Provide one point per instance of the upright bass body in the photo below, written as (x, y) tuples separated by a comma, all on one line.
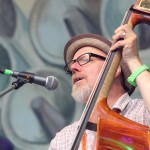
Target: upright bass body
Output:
[(115, 132)]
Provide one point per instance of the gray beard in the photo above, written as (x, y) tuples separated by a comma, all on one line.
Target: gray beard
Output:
[(81, 93)]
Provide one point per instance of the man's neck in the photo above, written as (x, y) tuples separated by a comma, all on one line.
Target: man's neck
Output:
[(113, 97)]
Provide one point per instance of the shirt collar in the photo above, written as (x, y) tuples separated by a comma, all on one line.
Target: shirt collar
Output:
[(122, 102)]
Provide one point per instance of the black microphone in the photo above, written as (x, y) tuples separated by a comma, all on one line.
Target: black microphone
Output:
[(50, 82)]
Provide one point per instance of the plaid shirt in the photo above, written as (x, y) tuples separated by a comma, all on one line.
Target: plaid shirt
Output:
[(133, 109)]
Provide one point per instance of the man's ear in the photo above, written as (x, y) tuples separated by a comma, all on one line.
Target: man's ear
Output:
[(118, 71)]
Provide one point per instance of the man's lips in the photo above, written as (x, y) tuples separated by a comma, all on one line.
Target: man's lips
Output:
[(76, 79)]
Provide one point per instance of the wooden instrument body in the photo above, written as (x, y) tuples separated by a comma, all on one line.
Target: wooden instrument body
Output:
[(115, 132)]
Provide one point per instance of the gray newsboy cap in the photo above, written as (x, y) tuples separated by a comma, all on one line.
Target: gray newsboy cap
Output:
[(99, 42)]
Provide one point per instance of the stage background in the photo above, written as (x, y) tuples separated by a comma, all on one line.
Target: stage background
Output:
[(32, 36)]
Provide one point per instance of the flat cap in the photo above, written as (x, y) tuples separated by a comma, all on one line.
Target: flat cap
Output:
[(99, 42)]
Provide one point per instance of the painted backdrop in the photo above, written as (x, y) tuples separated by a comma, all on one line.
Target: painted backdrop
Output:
[(32, 36)]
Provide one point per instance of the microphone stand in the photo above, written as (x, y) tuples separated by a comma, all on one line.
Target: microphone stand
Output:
[(15, 85)]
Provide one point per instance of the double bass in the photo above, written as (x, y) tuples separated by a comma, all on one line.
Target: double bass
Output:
[(113, 131)]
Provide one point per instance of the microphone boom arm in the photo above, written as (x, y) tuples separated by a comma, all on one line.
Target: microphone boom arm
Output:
[(15, 85)]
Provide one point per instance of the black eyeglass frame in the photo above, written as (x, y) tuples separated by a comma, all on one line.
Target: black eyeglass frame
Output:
[(66, 68)]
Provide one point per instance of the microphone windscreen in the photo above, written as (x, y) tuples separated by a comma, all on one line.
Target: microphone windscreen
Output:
[(51, 83)]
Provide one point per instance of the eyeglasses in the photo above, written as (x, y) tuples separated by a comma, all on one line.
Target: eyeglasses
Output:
[(82, 60)]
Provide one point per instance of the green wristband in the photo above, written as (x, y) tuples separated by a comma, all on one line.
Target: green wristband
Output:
[(133, 76)]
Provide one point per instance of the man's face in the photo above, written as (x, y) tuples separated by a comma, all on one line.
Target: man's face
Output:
[(84, 77)]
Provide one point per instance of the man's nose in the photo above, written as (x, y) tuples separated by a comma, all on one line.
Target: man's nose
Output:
[(75, 67)]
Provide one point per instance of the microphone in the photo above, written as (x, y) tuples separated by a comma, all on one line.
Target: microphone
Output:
[(50, 82)]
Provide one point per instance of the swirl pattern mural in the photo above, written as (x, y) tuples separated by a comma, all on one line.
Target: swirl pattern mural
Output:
[(32, 36)]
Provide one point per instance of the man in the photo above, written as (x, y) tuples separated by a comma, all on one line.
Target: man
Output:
[(84, 57)]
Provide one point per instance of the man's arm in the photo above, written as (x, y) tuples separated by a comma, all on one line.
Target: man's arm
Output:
[(132, 59)]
